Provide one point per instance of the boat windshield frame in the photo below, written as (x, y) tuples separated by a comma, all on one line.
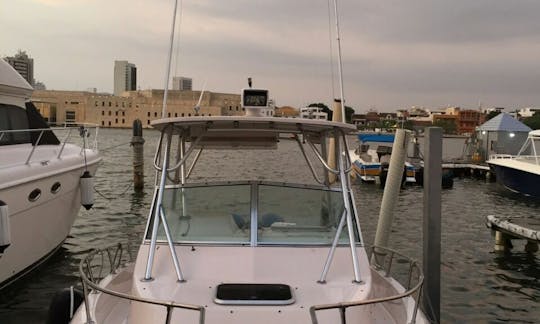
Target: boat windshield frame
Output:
[(248, 132), (264, 222)]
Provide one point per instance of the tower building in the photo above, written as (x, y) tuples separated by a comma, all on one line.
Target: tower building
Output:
[(23, 64), (125, 77), (182, 83)]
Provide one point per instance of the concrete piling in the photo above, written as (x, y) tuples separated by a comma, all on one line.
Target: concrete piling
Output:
[(392, 187), (431, 296), (502, 242), (137, 142)]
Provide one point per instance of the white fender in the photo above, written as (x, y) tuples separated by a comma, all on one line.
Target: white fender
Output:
[(87, 190), (5, 228)]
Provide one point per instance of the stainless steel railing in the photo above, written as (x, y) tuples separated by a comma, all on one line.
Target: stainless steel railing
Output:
[(101, 263), (382, 260), (84, 135)]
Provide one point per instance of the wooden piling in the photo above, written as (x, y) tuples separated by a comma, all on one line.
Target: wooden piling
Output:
[(137, 141)]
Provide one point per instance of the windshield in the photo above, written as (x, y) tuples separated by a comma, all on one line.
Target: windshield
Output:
[(284, 214)]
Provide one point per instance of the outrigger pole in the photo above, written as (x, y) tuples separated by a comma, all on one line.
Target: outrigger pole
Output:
[(340, 64), (159, 212), (169, 59)]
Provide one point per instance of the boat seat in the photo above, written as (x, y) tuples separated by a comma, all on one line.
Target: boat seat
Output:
[(243, 222), (366, 157)]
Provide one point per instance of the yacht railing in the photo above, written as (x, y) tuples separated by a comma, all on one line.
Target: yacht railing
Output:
[(100, 263), (382, 260), (87, 133)]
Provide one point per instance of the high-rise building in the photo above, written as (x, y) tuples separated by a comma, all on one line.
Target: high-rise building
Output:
[(125, 77), (23, 64), (181, 83)]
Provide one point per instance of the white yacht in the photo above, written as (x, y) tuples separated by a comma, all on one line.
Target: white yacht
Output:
[(40, 171), (250, 251), (520, 173)]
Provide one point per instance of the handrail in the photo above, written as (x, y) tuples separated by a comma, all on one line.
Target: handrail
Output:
[(113, 255), (381, 251), (67, 128)]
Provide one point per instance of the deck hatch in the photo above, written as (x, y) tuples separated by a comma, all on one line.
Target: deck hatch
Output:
[(253, 294)]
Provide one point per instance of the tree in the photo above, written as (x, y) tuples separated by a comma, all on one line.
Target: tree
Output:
[(323, 107), (408, 124), (349, 112), (492, 114), (448, 126), (533, 121)]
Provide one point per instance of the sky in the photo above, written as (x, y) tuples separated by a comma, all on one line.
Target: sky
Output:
[(395, 53)]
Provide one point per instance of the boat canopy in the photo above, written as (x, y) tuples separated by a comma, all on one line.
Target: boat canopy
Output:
[(380, 138), (238, 132), (13, 87)]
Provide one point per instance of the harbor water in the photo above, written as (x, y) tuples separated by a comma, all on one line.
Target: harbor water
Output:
[(477, 284)]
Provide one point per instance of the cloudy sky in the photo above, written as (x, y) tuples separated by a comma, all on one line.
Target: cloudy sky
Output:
[(396, 53)]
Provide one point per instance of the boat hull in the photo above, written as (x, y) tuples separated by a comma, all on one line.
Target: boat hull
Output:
[(516, 180), (38, 228)]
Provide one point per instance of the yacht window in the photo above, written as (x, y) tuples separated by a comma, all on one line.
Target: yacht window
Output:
[(208, 214), (12, 118), (55, 188), (34, 195), (298, 215)]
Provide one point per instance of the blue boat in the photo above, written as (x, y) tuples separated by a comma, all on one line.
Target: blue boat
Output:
[(521, 172), (373, 151)]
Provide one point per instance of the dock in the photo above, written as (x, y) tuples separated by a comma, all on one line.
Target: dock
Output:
[(505, 231), (464, 167)]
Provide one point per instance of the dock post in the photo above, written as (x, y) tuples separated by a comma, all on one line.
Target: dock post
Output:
[(502, 242), (531, 247), (391, 188), (431, 296), (137, 141)]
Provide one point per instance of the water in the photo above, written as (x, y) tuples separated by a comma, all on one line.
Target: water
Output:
[(478, 285)]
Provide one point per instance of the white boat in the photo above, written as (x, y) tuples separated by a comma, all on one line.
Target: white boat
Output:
[(372, 153), (521, 172), (249, 251), (39, 179)]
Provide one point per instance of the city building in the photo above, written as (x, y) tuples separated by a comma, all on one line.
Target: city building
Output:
[(468, 120), (286, 111), (125, 77), (313, 113), (108, 110), (23, 64), (182, 83), (528, 112)]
